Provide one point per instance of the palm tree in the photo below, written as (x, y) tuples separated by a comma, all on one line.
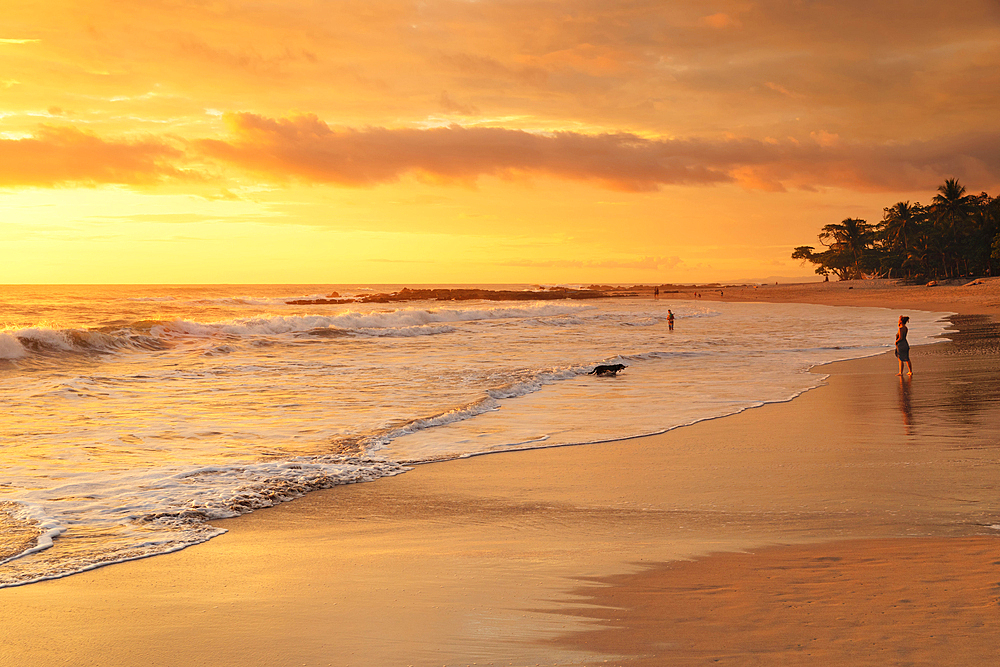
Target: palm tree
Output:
[(852, 237), (958, 233), (993, 212), (983, 228), (901, 225), (951, 211), (951, 193)]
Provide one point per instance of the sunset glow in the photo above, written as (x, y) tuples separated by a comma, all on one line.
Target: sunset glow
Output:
[(187, 141)]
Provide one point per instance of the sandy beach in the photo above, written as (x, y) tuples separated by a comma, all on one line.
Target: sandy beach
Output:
[(964, 295), (854, 525)]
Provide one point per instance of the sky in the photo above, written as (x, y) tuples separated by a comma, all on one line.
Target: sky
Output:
[(475, 141)]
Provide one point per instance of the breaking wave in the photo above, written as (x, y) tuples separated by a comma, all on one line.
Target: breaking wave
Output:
[(223, 337)]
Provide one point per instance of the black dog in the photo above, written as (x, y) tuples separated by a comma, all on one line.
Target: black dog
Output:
[(608, 369)]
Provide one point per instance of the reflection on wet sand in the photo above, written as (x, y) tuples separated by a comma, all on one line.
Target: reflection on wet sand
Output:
[(964, 399), (858, 601), (906, 403)]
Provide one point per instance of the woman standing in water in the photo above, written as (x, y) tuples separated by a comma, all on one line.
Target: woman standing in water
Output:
[(902, 347)]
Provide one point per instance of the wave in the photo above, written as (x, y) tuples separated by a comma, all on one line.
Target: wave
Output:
[(10, 347), (235, 300), (405, 332), (156, 511), (222, 337), (531, 382), (47, 342), (253, 300), (354, 321)]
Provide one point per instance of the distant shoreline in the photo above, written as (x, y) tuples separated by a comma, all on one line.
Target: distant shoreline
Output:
[(981, 295)]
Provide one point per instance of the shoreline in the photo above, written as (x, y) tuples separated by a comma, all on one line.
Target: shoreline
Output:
[(960, 297), (489, 549)]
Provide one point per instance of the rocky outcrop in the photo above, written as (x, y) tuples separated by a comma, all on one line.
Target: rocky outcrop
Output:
[(465, 294)]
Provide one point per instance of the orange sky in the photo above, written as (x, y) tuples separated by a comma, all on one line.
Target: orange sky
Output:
[(187, 141)]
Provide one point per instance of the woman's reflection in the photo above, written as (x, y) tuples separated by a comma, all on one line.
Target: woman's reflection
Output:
[(905, 406)]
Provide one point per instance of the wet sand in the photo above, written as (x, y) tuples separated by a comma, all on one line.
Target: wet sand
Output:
[(850, 526), (872, 602)]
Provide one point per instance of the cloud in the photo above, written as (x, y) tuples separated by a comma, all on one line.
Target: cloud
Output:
[(57, 156), (451, 106), (307, 149), (717, 20), (828, 161), (901, 70)]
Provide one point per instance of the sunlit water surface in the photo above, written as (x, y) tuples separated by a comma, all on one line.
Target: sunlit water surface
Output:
[(132, 416)]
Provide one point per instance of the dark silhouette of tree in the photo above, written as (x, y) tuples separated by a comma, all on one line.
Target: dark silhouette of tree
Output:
[(901, 225), (851, 240), (958, 234), (950, 212), (902, 239), (984, 232)]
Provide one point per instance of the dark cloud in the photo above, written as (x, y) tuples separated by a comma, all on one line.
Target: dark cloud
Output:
[(66, 156), (305, 148)]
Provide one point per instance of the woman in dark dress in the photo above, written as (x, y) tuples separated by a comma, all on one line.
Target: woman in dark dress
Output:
[(902, 347)]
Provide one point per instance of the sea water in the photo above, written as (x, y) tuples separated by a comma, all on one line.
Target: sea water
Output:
[(130, 417)]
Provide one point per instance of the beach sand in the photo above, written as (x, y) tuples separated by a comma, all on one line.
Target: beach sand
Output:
[(853, 525), (867, 602), (965, 295)]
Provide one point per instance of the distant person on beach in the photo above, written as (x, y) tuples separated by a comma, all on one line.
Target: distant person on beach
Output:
[(656, 292), (670, 319), (902, 347)]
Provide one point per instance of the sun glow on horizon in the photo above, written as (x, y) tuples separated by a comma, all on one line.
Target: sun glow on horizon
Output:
[(473, 142)]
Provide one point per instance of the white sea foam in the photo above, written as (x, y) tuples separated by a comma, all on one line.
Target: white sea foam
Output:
[(401, 323), (40, 338), (357, 321), (11, 347), (256, 301), (159, 510)]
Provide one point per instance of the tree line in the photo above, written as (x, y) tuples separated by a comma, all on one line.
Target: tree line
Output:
[(956, 235)]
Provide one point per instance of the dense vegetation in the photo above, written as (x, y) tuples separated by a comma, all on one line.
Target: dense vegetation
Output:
[(956, 235)]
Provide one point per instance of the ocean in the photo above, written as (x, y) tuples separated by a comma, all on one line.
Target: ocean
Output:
[(132, 416)]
